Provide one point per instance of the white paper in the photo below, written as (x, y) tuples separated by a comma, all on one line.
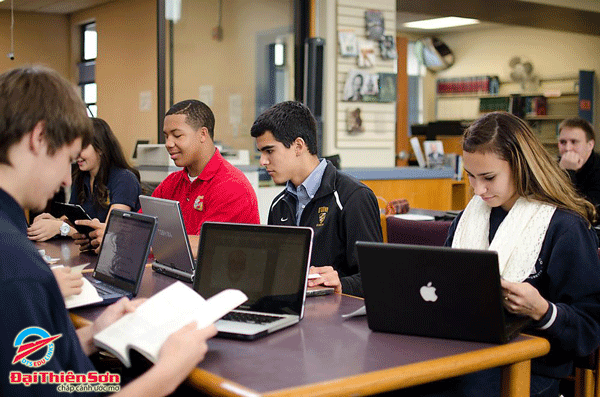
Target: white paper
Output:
[(362, 311)]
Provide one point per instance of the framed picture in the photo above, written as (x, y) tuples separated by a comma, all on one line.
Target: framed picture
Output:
[(361, 86), (434, 153), (416, 147), (366, 53), (354, 122), (348, 44), (387, 46), (374, 24), (387, 87)]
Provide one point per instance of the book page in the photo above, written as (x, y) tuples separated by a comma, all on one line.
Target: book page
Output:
[(166, 312), (88, 296)]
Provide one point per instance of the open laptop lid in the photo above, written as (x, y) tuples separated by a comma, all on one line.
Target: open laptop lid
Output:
[(433, 291), (171, 246), (124, 251), (268, 263)]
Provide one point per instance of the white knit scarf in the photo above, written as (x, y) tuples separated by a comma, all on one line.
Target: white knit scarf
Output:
[(518, 239)]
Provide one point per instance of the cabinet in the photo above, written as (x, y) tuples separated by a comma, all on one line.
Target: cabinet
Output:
[(563, 97)]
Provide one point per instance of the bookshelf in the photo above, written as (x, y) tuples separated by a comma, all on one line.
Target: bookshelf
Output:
[(560, 97)]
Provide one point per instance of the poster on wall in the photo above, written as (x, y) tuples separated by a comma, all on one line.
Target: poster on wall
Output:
[(361, 86), (348, 44), (387, 47), (387, 87), (374, 24), (354, 124), (366, 53)]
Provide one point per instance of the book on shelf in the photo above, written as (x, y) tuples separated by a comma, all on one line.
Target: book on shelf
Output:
[(149, 326)]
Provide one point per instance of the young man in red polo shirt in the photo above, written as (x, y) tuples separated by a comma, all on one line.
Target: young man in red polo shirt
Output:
[(208, 188)]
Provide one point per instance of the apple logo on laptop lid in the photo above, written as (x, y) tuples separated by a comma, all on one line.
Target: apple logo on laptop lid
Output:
[(428, 293)]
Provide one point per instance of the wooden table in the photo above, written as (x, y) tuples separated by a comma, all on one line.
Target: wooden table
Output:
[(325, 355)]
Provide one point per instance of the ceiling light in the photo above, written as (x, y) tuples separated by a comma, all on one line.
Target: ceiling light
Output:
[(440, 23)]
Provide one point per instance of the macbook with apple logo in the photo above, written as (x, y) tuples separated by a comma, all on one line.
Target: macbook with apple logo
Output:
[(436, 292)]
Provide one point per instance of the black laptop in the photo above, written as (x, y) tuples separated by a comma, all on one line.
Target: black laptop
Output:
[(123, 255), (267, 263), (437, 292)]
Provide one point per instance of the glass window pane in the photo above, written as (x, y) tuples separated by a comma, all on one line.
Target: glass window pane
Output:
[(90, 42), (92, 110), (90, 93)]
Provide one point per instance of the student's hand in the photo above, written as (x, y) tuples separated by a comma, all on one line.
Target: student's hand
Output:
[(96, 236), (571, 161), (111, 314), (69, 282), (183, 350), (44, 227), (524, 299), (329, 278)]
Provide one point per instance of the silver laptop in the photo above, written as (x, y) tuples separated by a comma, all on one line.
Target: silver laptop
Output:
[(123, 255), (268, 263), (171, 246), (438, 292)]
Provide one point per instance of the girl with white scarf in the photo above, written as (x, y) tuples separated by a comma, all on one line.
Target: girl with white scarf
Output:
[(525, 208)]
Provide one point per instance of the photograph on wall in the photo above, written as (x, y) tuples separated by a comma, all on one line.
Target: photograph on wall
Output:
[(366, 53), (374, 24), (354, 122), (387, 47), (348, 44), (434, 153), (387, 87), (361, 86), (353, 86)]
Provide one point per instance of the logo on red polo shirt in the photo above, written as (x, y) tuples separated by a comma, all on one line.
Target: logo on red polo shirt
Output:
[(37, 340), (199, 204)]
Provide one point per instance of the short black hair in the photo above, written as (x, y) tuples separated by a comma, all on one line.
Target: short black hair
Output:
[(287, 121), (197, 113), (578, 122)]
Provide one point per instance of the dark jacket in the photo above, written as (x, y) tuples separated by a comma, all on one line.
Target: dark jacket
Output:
[(587, 179), (342, 212), (567, 274)]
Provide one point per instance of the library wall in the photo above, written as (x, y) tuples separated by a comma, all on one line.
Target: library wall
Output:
[(375, 147), (125, 67), (226, 68), (487, 52), (38, 39)]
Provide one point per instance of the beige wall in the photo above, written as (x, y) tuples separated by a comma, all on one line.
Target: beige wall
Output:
[(487, 52), (126, 66), (229, 66), (38, 39)]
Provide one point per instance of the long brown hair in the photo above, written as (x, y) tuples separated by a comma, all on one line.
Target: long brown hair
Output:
[(536, 174), (109, 149)]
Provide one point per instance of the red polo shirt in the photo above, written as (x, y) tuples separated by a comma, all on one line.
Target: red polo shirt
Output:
[(221, 193)]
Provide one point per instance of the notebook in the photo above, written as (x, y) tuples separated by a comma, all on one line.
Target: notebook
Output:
[(267, 263), (171, 247), (436, 292), (123, 255)]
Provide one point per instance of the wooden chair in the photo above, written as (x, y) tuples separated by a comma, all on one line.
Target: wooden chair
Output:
[(587, 374), (402, 231)]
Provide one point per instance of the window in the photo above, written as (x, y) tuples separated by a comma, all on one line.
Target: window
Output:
[(415, 71), (87, 67)]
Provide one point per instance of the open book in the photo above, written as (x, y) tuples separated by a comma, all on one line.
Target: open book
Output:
[(146, 329)]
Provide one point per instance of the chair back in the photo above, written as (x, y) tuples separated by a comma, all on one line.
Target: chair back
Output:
[(402, 231)]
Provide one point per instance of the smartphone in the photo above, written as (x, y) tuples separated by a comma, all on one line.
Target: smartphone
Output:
[(74, 212)]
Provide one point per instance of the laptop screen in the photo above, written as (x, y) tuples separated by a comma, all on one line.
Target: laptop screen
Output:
[(124, 249), (268, 263)]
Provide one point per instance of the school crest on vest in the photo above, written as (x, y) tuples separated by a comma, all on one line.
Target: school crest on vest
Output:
[(199, 203), (322, 215)]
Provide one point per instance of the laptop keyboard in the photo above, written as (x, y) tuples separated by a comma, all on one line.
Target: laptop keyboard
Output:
[(104, 290), (250, 318)]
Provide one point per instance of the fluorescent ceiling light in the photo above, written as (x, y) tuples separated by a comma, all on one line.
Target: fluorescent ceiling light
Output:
[(440, 23)]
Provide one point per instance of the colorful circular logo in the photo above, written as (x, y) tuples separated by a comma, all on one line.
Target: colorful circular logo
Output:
[(33, 340)]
